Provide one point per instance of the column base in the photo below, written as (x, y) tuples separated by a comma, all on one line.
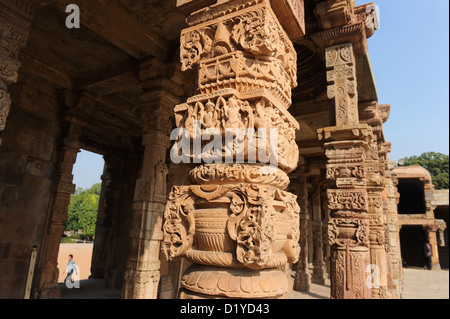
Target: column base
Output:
[(302, 282), (318, 276), (48, 293), (202, 282), (435, 266)]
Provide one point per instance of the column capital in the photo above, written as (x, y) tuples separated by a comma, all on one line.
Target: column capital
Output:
[(342, 21)]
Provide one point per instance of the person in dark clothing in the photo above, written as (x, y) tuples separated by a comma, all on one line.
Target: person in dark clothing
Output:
[(427, 252)]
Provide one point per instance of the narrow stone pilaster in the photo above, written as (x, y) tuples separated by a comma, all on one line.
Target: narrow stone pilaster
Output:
[(142, 275), (326, 243), (302, 281), (375, 187), (345, 147), (319, 271), (105, 247), (393, 231), (143, 265), (100, 250)]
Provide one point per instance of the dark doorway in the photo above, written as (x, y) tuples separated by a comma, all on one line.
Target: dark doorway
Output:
[(412, 196), (412, 239)]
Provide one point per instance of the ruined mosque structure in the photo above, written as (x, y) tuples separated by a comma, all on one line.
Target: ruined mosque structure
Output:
[(136, 70)]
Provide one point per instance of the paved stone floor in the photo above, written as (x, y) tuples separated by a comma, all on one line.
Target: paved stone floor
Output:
[(418, 284), (425, 284)]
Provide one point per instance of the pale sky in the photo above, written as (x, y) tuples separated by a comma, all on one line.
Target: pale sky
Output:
[(410, 61)]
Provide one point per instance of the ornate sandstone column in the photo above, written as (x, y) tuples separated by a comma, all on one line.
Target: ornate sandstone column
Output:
[(346, 146), (15, 21), (375, 187), (235, 222), (393, 231)]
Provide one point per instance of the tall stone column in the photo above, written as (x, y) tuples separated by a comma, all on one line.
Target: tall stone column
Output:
[(302, 281), (346, 146), (375, 188), (235, 222), (432, 238), (160, 89), (319, 271), (325, 222), (375, 115), (393, 237), (47, 275), (142, 276), (101, 247), (15, 21), (104, 256)]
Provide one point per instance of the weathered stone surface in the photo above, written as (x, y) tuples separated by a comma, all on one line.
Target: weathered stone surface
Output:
[(233, 229)]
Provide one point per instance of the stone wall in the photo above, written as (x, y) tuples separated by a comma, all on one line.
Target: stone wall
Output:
[(27, 166)]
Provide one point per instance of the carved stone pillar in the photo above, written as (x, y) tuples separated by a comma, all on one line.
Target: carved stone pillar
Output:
[(393, 237), (345, 147), (375, 115), (100, 250), (15, 21), (142, 276), (375, 187), (325, 222), (235, 222), (302, 280), (107, 235), (143, 266), (348, 230), (47, 275), (319, 271), (432, 238)]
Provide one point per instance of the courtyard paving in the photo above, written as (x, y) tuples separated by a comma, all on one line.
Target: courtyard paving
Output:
[(417, 283)]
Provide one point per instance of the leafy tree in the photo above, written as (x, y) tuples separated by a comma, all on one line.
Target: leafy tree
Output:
[(436, 163), (82, 210)]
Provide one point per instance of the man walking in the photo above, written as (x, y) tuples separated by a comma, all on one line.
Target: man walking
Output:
[(70, 269)]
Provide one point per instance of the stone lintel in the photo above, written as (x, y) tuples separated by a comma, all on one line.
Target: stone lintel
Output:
[(291, 14), (343, 133)]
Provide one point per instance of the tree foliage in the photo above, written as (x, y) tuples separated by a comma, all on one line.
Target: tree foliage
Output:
[(82, 210), (436, 163)]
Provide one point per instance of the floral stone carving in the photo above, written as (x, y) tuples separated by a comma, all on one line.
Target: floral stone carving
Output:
[(235, 222)]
